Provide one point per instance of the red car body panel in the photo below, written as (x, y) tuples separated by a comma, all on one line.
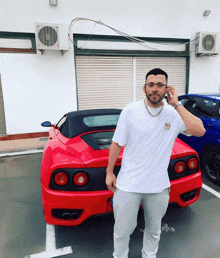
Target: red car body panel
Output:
[(61, 152), (94, 203), (182, 149)]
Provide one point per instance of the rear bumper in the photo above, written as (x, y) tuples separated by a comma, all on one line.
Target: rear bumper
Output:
[(91, 203), (88, 204), (186, 191)]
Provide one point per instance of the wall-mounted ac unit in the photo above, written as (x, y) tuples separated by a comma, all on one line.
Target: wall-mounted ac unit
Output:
[(51, 37), (206, 43)]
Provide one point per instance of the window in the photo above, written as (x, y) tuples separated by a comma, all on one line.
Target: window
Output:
[(187, 102), (204, 107), (15, 42), (184, 101), (61, 121), (94, 121)]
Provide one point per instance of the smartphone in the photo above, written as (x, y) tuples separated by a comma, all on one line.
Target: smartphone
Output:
[(170, 95)]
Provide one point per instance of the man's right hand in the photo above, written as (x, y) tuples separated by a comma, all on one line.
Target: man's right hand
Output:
[(111, 181)]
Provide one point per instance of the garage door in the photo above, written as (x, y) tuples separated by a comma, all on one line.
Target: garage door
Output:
[(175, 67), (104, 82), (2, 113), (113, 82)]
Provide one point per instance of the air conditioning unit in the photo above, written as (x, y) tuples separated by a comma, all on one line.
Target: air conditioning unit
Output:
[(51, 37), (206, 43)]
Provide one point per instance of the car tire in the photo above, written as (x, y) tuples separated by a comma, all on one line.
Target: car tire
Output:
[(210, 164)]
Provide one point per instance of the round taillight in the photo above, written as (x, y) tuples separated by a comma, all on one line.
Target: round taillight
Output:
[(180, 167), (80, 178), (192, 163), (61, 178)]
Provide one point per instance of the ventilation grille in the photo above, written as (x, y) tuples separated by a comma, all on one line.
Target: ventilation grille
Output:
[(48, 36), (206, 43), (51, 36)]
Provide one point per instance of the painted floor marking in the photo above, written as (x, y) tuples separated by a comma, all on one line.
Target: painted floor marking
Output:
[(51, 250), (209, 189), (20, 153)]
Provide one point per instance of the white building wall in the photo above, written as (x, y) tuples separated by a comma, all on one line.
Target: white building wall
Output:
[(37, 88), (40, 87)]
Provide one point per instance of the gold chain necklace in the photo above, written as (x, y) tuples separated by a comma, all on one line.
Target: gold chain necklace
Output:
[(150, 112)]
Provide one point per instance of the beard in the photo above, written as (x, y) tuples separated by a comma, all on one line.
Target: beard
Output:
[(155, 102)]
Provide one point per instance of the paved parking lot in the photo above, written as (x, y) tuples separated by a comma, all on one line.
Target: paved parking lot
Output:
[(193, 231)]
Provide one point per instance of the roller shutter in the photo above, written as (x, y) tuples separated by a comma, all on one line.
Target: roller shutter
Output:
[(2, 113), (104, 82), (114, 81), (174, 66)]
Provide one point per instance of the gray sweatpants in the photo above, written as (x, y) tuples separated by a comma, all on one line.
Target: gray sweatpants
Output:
[(126, 206)]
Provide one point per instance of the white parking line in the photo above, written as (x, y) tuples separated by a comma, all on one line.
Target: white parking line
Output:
[(9, 154), (51, 250), (209, 189)]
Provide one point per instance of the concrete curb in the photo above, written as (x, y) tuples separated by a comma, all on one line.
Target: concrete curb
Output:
[(24, 152), (21, 149), (22, 146)]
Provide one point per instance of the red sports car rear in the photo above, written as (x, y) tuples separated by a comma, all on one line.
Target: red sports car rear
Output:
[(74, 163)]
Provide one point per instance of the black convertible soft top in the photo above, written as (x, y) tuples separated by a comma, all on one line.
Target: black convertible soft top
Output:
[(78, 122)]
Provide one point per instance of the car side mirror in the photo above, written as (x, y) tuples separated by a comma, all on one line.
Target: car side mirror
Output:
[(46, 124)]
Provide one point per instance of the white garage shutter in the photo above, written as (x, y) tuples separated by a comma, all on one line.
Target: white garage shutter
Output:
[(113, 82), (104, 81), (2, 113), (175, 67)]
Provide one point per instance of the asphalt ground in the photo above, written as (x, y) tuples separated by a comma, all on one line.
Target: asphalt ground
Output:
[(193, 231)]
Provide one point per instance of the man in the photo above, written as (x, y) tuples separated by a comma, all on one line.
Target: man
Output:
[(143, 178)]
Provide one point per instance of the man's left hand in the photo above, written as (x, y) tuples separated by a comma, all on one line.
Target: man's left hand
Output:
[(173, 99)]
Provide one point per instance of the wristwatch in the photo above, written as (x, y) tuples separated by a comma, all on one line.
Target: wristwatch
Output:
[(177, 104)]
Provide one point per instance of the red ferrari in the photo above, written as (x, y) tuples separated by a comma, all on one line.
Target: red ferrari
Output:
[(74, 165)]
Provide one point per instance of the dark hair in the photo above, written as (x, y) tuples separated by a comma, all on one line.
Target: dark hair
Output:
[(157, 71)]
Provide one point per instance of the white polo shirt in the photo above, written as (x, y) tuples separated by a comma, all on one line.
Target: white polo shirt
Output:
[(148, 145)]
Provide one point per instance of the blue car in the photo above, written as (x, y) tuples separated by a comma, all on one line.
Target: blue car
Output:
[(207, 108)]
